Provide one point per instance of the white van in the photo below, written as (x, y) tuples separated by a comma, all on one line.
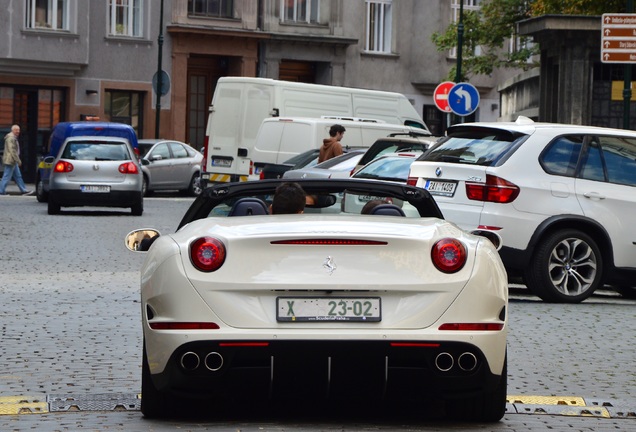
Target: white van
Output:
[(280, 138), (240, 104)]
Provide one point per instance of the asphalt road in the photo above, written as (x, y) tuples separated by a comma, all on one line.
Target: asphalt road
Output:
[(70, 339)]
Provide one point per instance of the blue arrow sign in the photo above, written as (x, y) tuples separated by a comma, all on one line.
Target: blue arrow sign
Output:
[(463, 99)]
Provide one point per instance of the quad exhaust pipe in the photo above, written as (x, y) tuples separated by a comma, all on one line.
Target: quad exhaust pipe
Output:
[(467, 361), (191, 361)]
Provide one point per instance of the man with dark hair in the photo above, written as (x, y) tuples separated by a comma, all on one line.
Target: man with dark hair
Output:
[(331, 146), (289, 198)]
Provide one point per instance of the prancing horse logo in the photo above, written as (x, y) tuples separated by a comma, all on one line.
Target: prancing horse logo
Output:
[(329, 265)]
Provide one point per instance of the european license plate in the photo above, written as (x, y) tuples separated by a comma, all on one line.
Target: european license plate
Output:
[(224, 163), (95, 188), (294, 309), (440, 188)]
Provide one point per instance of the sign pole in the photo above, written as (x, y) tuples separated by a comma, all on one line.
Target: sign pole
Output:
[(627, 84)]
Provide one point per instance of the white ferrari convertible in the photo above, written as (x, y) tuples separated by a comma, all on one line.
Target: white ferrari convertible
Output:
[(322, 306)]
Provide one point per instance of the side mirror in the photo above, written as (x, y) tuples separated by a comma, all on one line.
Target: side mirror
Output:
[(49, 159), (140, 240), (494, 238), (145, 162), (155, 158)]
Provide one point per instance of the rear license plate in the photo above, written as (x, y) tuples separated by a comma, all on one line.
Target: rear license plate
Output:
[(440, 188), (95, 188), (293, 309), (223, 163)]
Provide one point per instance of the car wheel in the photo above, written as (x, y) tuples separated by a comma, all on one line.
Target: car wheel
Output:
[(39, 191), (144, 186), (138, 208), (154, 403), (566, 267), (487, 407), (195, 185), (54, 208)]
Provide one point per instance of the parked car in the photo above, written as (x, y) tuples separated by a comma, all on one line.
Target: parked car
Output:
[(391, 167), (95, 171), (372, 310), (302, 160), (170, 165), (337, 167), (395, 143), (64, 130), (561, 197)]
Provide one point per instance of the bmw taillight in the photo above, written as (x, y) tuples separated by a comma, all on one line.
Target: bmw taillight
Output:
[(207, 253), (411, 181), (63, 167), (495, 190), (128, 168), (449, 255)]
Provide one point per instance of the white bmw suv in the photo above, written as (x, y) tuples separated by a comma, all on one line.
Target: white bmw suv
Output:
[(562, 198)]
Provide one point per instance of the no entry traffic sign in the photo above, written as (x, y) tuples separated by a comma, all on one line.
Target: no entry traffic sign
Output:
[(440, 95)]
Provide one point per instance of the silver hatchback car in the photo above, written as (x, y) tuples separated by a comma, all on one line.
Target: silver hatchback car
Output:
[(96, 171), (170, 165)]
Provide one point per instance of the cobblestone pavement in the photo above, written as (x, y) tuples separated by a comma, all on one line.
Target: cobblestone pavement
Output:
[(70, 328)]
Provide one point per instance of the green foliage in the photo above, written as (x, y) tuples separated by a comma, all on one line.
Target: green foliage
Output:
[(489, 32)]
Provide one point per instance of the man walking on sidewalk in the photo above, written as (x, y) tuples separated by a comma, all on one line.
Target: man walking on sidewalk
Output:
[(12, 163)]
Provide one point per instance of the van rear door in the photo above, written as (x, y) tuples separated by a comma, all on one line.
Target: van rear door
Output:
[(232, 128)]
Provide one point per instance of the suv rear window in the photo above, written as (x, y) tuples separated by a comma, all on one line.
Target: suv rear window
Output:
[(380, 148), (476, 146)]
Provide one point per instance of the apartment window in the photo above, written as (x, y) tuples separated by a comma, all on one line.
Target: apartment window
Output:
[(303, 11), (379, 27), (468, 5), (125, 107), (211, 8), (47, 14), (125, 17)]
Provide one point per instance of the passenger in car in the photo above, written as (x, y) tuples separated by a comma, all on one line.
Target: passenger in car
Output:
[(289, 198), (368, 207)]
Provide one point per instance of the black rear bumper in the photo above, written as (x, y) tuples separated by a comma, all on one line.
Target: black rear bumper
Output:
[(76, 198), (324, 371)]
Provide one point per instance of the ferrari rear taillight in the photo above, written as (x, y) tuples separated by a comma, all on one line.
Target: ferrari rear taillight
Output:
[(495, 190), (207, 254), (449, 255), (128, 168), (63, 167)]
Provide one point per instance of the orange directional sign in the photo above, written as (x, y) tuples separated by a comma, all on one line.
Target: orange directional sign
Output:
[(618, 42)]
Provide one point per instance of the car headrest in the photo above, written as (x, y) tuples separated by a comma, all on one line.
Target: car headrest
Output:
[(387, 210), (249, 207)]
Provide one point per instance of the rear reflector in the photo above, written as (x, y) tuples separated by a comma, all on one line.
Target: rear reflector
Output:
[(472, 326), (184, 326), (414, 344)]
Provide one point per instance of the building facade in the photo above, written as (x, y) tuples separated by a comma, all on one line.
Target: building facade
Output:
[(66, 60)]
